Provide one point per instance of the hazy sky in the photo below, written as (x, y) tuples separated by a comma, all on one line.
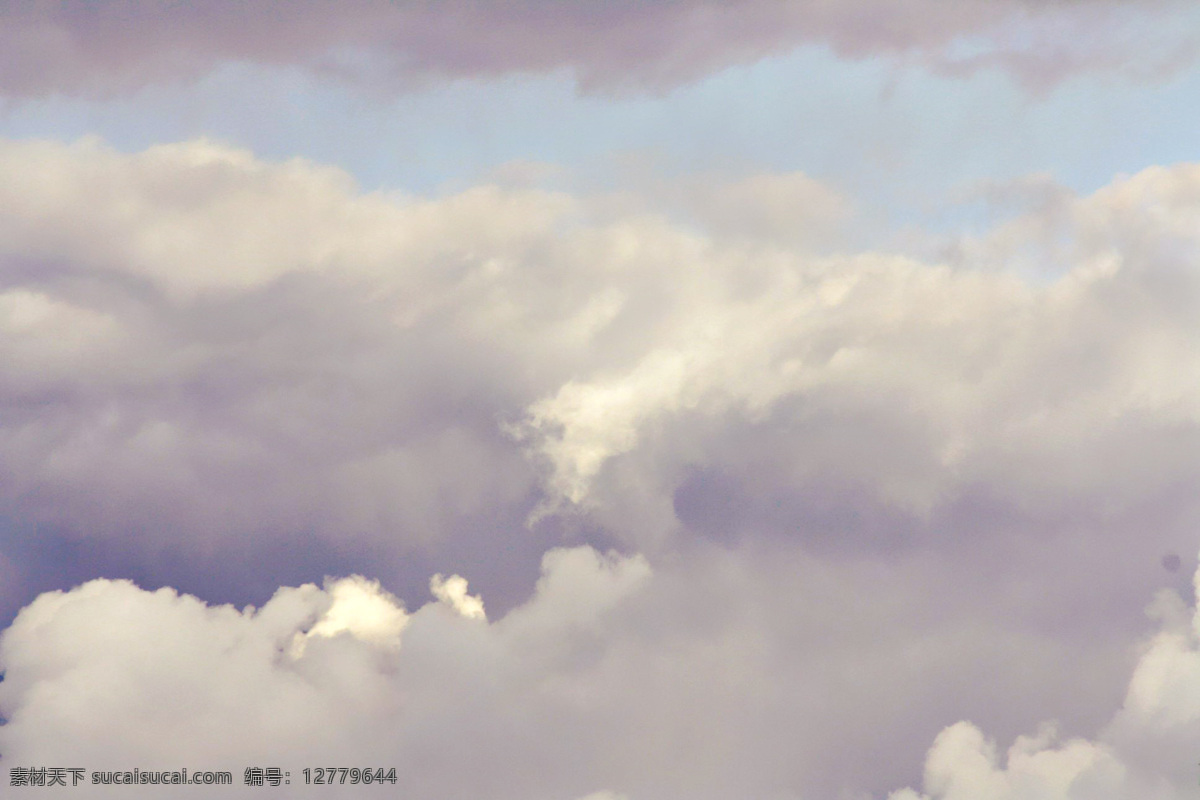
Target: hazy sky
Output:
[(603, 401)]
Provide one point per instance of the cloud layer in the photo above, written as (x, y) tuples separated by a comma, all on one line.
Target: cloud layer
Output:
[(107, 48)]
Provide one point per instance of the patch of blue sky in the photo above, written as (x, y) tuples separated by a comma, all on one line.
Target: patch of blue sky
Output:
[(900, 141)]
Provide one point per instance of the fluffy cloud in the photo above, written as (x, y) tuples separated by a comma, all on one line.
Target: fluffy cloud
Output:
[(1145, 751), (202, 346), (110, 676), (80, 47), (973, 375), (205, 353), (453, 592), (198, 280), (715, 676)]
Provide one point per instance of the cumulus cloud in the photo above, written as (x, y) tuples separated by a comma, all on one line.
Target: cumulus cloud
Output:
[(199, 279), (111, 676), (968, 371), (204, 346), (715, 676), (205, 351), (453, 592), (78, 47), (962, 764), (1145, 751), (735, 488), (361, 608)]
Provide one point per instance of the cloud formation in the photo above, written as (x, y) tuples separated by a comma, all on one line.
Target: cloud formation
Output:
[(1145, 751), (111, 676), (764, 500), (711, 679), (964, 372), (206, 351), (453, 592), (202, 342), (203, 347), (107, 48)]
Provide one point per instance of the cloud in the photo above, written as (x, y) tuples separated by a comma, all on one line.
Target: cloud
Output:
[(111, 676), (1145, 751), (962, 764), (712, 675), (105, 49), (210, 354), (453, 592), (361, 608), (208, 348), (193, 276), (963, 372), (790, 209)]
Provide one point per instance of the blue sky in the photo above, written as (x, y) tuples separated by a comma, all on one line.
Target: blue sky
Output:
[(879, 132)]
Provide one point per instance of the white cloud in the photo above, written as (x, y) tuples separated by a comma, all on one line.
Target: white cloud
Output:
[(198, 217), (984, 367), (1145, 751), (110, 676), (453, 592), (963, 765), (1004, 458), (716, 675), (221, 345), (362, 609)]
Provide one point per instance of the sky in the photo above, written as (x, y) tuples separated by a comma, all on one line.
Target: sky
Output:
[(602, 401)]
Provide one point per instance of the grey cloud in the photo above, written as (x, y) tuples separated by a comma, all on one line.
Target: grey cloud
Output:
[(242, 318), (116, 47), (864, 485), (716, 676), (205, 363), (204, 348), (313, 674), (1144, 751)]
